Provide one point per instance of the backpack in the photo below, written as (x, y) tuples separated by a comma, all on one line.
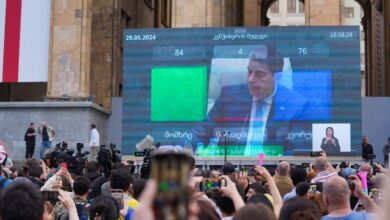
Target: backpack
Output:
[(82, 210)]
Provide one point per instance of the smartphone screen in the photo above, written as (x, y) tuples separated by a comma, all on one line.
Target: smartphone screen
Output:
[(117, 194), (51, 196), (171, 171), (64, 169), (252, 171), (313, 188), (315, 153)]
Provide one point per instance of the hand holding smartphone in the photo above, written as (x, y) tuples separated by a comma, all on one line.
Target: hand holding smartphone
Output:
[(171, 171), (64, 168)]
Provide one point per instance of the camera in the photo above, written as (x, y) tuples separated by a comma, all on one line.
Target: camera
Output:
[(315, 154), (107, 156), (251, 171), (62, 154), (313, 188), (145, 169), (63, 147), (351, 185), (343, 164)]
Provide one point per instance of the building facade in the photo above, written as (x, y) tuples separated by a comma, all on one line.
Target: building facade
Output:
[(292, 13)]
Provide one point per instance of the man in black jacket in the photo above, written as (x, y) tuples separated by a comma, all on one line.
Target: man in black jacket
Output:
[(366, 148), (29, 138), (386, 151)]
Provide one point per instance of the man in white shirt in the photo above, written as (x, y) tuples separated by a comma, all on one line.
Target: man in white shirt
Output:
[(94, 142)]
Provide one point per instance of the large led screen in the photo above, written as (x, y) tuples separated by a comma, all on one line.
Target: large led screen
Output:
[(280, 91)]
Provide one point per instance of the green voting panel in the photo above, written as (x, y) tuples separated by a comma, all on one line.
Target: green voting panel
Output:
[(269, 151), (178, 93)]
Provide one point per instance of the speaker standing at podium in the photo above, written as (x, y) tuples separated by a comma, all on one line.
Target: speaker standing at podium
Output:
[(366, 148)]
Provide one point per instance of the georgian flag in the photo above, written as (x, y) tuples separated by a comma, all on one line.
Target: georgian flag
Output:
[(24, 40)]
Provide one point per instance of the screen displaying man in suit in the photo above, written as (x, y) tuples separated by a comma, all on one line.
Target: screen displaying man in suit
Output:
[(259, 112)]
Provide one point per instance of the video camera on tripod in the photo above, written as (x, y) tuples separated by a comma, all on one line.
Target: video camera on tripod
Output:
[(61, 153), (63, 147), (107, 156), (145, 147)]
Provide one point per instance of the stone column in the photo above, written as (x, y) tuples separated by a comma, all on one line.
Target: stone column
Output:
[(251, 13), (367, 27), (320, 12), (386, 25), (69, 50)]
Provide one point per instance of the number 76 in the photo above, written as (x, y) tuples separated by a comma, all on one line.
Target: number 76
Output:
[(302, 50)]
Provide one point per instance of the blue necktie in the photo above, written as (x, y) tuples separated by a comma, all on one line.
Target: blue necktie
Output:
[(258, 124)]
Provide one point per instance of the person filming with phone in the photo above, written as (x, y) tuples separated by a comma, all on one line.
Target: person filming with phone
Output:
[(80, 194)]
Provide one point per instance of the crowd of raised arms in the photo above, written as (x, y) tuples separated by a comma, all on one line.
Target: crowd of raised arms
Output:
[(318, 190)]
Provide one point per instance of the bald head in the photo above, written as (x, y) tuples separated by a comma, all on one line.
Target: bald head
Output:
[(320, 164), (336, 191), (283, 168)]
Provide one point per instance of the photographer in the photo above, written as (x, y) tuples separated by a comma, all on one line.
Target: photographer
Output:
[(80, 193), (278, 202)]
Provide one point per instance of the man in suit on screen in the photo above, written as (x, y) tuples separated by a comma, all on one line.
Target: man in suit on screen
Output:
[(259, 112)]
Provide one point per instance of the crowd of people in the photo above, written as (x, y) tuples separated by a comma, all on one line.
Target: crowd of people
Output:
[(320, 190)]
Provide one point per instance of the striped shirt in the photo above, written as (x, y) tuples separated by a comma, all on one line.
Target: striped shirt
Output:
[(323, 176)]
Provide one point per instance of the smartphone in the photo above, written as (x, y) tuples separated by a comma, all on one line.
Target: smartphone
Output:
[(315, 153), (375, 194), (64, 168), (351, 184), (355, 166), (171, 171), (251, 171), (117, 194), (51, 196), (305, 165), (313, 188), (211, 184)]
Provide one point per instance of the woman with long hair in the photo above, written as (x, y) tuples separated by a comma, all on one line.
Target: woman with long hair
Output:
[(329, 143)]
